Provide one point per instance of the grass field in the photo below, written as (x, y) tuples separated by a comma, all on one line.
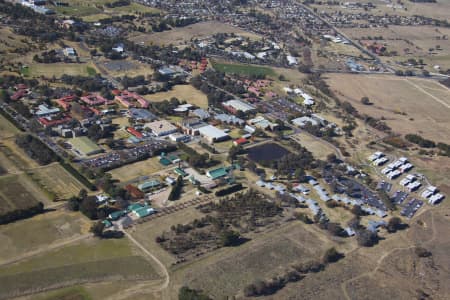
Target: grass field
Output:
[(137, 169), (318, 147), (16, 156), (241, 69), (72, 293), (421, 110), (182, 92), (20, 237), (7, 129), (89, 261), (91, 71), (59, 69), (57, 180), (17, 192)]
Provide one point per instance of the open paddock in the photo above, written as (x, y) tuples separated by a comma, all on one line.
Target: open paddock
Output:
[(183, 35), (402, 102), (229, 270), (21, 237), (57, 180), (18, 192), (7, 129), (16, 156), (137, 169), (182, 92), (318, 147), (89, 261)]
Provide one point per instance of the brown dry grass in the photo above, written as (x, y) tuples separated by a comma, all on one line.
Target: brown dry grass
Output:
[(426, 114), (182, 92), (57, 180), (137, 169)]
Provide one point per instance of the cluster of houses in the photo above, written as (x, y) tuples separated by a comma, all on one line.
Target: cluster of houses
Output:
[(411, 181), (431, 193), (392, 170), (308, 100)]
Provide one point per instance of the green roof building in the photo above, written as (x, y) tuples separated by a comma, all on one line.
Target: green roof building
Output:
[(149, 185), (144, 211), (135, 206), (107, 223), (164, 161), (217, 173), (181, 172), (116, 215)]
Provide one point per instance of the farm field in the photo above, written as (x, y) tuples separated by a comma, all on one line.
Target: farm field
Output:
[(242, 69), (16, 156), (183, 35), (19, 238), (403, 103), (57, 180), (18, 192), (182, 92), (89, 261), (7, 129), (137, 169)]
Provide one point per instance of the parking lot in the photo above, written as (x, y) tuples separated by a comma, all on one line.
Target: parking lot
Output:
[(411, 208), (115, 159), (384, 186), (399, 197)]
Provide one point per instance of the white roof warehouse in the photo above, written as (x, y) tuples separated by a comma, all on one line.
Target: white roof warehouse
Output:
[(213, 134)]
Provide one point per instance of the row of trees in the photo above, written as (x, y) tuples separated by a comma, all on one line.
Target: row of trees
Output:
[(18, 214), (36, 149)]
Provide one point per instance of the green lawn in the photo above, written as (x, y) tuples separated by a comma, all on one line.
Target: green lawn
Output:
[(243, 69), (58, 69), (25, 71), (91, 71)]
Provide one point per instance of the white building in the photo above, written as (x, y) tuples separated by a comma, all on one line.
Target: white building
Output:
[(213, 134), (161, 128)]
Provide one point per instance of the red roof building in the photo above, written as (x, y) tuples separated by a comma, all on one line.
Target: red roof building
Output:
[(240, 141), (93, 99), (134, 132), (130, 99), (48, 122), (64, 102)]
